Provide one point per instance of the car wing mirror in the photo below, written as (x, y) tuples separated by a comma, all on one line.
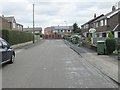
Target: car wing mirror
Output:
[(6, 46)]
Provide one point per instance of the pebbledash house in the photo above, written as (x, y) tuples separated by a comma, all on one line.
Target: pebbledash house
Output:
[(102, 25)]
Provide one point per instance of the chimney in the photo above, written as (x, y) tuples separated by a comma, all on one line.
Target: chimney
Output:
[(95, 15), (3, 16), (113, 8), (119, 4)]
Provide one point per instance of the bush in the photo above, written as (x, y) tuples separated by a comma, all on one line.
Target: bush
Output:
[(16, 37), (75, 39), (89, 38), (110, 45), (110, 35)]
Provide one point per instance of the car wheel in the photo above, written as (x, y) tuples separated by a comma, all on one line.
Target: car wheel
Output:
[(12, 59)]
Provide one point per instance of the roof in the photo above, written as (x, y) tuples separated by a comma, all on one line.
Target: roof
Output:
[(31, 29), (10, 18), (3, 18), (108, 15), (94, 19), (19, 24), (62, 27)]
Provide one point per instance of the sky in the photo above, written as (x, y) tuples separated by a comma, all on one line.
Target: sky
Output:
[(54, 12)]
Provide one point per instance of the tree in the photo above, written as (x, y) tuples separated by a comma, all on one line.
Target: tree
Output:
[(89, 38), (79, 31), (75, 28)]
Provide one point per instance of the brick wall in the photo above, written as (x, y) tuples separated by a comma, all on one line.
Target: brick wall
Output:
[(4, 24), (113, 21)]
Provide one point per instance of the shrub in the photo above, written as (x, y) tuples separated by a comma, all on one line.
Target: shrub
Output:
[(89, 38), (110, 35), (111, 45)]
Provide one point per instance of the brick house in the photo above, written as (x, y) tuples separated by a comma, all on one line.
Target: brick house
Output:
[(10, 23), (107, 23), (103, 25), (90, 24), (36, 29), (5, 24), (57, 32)]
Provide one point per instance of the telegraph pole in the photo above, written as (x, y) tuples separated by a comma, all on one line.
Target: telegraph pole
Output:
[(33, 26)]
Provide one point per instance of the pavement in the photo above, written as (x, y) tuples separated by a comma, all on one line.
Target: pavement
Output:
[(108, 65), (20, 45), (52, 64)]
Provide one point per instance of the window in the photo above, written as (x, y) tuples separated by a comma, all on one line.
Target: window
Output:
[(68, 30), (96, 24), (104, 35), (61, 30), (105, 21), (13, 25), (86, 26), (118, 34), (4, 43), (0, 44), (101, 23), (97, 34)]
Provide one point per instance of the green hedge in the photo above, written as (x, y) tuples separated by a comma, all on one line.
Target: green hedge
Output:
[(16, 37), (111, 45)]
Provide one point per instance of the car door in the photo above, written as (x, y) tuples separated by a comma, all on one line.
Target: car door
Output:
[(0, 52), (6, 52)]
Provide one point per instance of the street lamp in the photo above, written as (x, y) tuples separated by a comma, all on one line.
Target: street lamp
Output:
[(33, 26)]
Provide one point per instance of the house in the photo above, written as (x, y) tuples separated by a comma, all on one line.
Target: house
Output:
[(57, 31), (19, 26), (107, 23), (103, 25), (36, 30), (90, 24), (10, 23), (4, 24), (48, 31), (62, 29)]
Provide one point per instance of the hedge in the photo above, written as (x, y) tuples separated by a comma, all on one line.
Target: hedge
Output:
[(16, 37), (111, 45)]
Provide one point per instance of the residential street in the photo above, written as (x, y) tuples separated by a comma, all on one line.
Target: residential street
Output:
[(52, 64)]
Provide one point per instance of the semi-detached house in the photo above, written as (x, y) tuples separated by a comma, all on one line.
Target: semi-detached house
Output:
[(103, 25), (10, 23)]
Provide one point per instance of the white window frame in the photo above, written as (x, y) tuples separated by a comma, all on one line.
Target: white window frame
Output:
[(105, 22), (13, 25), (96, 24), (101, 23)]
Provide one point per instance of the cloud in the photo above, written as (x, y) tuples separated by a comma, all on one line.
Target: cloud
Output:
[(54, 12)]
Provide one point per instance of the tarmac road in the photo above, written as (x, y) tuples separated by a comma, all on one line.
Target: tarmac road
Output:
[(52, 64)]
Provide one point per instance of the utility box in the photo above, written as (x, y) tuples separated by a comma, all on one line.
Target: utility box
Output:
[(100, 47)]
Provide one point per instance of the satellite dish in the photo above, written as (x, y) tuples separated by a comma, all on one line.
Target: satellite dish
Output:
[(92, 30)]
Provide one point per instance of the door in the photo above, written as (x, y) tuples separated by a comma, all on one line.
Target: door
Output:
[(6, 52), (0, 52)]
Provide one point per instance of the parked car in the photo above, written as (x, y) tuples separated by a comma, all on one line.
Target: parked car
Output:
[(7, 54)]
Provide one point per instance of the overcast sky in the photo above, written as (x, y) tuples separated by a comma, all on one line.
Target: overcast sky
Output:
[(55, 12)]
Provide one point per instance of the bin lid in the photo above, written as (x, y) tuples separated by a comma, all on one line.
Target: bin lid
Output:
[(100, 41)]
